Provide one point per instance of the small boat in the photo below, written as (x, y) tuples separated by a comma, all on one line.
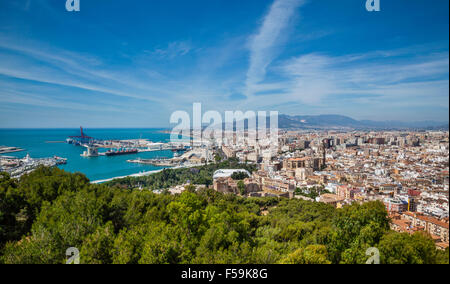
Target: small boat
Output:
[(60, 161)]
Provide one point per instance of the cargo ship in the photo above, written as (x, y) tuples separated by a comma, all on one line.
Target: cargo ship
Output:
[(121, 152)]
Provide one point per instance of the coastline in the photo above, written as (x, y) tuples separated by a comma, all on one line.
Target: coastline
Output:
[(141, 174)]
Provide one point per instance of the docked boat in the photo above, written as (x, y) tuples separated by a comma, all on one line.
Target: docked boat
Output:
[(121, 152), (59, 160)]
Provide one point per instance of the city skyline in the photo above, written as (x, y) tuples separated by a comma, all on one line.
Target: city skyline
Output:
[(124, 64)]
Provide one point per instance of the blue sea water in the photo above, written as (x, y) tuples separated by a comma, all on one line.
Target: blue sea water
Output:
[(33, 141)]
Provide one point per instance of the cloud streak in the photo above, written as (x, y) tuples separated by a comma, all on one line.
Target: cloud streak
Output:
[(174, 49), (265, 45), (351, 83)]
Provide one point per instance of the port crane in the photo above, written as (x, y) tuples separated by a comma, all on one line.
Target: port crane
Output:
[(82, 138)]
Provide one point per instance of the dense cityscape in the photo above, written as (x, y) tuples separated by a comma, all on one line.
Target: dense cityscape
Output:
[(406, 170)]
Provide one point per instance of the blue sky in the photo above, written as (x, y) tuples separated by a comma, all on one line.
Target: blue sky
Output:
[(132, 63)]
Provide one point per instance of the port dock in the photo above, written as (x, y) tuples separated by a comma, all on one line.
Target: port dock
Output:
[(122, 147), (155, 162), (6, 149)]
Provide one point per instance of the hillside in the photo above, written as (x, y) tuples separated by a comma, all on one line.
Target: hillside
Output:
[(340, 121)]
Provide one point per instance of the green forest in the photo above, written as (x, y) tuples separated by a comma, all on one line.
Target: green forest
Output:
[(200, 175), (50, 210)]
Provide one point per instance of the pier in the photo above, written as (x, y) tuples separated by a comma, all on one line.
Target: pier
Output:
[(6, 149), (156, 162)]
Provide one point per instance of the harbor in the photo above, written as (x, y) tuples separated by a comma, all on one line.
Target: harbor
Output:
[(35, 142), (184, 154), (111, 154), (116, 147)]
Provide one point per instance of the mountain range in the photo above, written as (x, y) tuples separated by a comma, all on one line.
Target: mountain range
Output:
[(345, 122)]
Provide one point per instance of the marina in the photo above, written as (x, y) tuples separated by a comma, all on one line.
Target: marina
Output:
[(17, 167)]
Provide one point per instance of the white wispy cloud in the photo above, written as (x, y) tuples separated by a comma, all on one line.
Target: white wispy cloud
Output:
[(313, 76), (173, 49), (411, 75), (264, 46), (379, 79), (34, 62)]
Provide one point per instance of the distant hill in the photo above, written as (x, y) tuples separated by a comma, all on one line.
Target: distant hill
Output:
[(333, 121), (341, 121)]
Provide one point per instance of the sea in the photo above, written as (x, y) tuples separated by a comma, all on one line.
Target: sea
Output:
[(39, 143)]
